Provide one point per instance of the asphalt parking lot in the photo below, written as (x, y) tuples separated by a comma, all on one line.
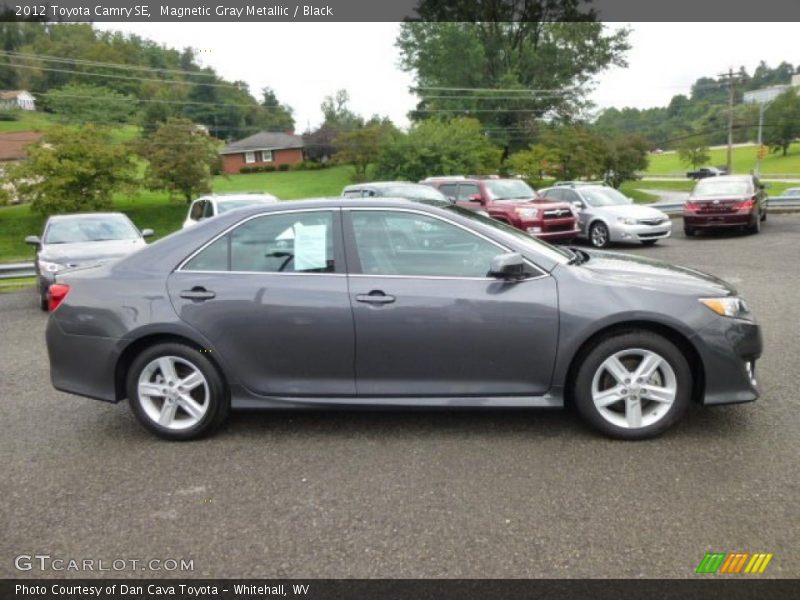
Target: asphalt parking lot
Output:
[(415, 494)]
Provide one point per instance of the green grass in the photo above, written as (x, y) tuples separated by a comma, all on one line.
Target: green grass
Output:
[(26, 121), (744, 161), (156, 211), (16, 283), (631, 190)]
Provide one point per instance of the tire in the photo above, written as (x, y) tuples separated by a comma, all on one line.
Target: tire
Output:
[(595, 388), (598, 235), (649, 242), (172, 416), (44, 303), (764, 216), (689, 231), (755, 227)]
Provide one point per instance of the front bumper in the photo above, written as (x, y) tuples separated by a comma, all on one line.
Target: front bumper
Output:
[(551, 234), (730, 350), (619, 232)]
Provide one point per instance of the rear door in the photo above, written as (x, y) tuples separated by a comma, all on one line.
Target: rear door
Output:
[(271, 297), (429, 320)]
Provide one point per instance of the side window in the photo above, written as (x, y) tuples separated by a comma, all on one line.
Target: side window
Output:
[(208, 211), (448, 189), (411, 244), (196, 212), (352, 194), (466, 190), (553, 194), (283, 243), (570, 196)]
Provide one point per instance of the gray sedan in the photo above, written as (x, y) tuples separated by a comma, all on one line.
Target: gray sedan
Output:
[(78, 240), (316, 304), (606, 215)]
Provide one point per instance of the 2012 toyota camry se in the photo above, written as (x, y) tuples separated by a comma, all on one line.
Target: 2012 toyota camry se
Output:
[(375, 302)]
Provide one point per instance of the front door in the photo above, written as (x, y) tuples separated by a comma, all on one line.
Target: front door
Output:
[(271, 297), (428, 319)]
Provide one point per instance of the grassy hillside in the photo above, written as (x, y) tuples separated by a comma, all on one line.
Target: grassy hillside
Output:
[(157, 211), (744, 160), (38, 121)]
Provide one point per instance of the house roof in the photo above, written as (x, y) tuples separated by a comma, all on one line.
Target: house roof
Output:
[(12, 145), (11, 94), (264, 140)]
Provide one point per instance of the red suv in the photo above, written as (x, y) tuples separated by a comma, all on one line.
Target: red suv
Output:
[(512, 201), (726, 201)]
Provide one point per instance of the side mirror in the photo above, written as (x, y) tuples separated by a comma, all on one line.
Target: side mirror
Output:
[(508, 266), (33, 240), (475, 198), (147, 232)]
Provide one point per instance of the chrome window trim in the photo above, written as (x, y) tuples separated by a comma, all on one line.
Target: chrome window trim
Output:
[(460, 226), (223, 233)]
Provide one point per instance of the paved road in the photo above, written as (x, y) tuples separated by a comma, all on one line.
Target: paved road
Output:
[(405, 494)]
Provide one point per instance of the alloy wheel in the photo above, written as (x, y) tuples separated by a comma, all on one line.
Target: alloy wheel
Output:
[(599, 236), (173, 392), (634, 388)]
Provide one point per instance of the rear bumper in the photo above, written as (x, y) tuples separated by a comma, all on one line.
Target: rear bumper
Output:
[(731, 348), (718, 221), (82, 364)]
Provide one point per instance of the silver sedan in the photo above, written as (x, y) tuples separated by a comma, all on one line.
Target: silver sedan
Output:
[(605, 215)]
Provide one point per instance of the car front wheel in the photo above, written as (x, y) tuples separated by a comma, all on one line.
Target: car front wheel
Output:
[(176, 392), (598, 234), (633, 386)]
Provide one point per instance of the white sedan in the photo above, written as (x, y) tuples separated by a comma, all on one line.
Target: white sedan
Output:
[(207, 207)]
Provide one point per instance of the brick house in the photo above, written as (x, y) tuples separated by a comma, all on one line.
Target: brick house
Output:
[(264, 148)]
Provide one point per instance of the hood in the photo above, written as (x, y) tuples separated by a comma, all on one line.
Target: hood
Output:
[(636, 271), (540, 203), (81, 253), (634, 211)]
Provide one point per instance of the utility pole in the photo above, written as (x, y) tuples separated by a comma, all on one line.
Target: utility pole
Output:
[(731, 97)]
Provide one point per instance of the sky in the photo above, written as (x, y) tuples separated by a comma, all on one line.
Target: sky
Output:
[(304, 62)]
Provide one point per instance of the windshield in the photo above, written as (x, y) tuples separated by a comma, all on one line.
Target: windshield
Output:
[(604, 197), (509, 189), (722, 187), (229, 205), (535, 245), (90, 229), (414, 192)]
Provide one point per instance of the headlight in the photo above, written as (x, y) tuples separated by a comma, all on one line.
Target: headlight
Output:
[(49, 267), (729, 306), (626, 220), (528, 213)]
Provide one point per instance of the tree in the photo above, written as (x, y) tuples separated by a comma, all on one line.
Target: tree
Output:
[(693, 151), (73, 169), (361, 147), (337, 113), (624, 158), (782, 122), (456, 53), (181, 159), (568, 152), (435, 147), (82, 103), (274, 116)]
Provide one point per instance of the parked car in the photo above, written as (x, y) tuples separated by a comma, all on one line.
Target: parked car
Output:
[(725, 202), (791, 192), (398, 189), (71, 241), (314, 305), (511, 201), (218, 204), (704, 172), (606, 215)]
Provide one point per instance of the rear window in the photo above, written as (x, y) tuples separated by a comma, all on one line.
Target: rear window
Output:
[(708, 188)]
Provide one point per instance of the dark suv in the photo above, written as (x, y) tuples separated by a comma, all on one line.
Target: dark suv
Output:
[(511, 201), (726, 201)]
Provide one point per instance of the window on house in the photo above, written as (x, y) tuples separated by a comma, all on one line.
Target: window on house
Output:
[(249, 157), (266, 155)]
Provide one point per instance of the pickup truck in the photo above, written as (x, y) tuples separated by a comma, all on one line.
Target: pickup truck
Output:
[(511, 201), (704, 172)]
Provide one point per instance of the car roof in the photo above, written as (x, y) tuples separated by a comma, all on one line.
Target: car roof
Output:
[(240, 196), (382, 184)]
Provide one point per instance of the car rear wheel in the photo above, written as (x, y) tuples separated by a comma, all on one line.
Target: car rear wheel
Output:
[(764, 216), (598, 235), (176, 392), (633, 386), (755, 227), (688, 231), (44, 302)]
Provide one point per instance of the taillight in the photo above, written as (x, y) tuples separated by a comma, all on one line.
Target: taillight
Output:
[(56, 294), (746, 204)]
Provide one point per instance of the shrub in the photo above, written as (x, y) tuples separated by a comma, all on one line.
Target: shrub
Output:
[(284, 167)]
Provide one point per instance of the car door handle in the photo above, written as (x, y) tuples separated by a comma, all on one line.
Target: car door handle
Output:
[(197, 293), (375, 297)]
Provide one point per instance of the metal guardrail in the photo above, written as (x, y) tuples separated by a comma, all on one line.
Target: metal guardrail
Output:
[(673, 208), (12, 270)]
